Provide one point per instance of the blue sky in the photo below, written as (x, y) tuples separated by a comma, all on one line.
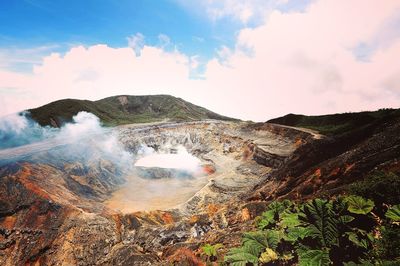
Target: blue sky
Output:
[(58, 25), (32, 23)]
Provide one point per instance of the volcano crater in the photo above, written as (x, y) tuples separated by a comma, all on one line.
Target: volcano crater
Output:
[(187, 166)]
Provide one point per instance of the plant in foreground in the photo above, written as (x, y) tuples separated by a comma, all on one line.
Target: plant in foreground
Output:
[(211, 251), (342, 231)]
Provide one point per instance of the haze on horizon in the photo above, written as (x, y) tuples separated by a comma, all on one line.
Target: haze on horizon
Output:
[(251, 59)]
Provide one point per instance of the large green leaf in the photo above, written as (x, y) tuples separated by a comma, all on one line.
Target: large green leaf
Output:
[(278, 206), (394, 213), (260, 240), (323, 224), (271, 215), (289, 220), (359, 241), (296, 233), (346, 219), (267, 218), (254, 243), (278, 210), (211, 250), (241, 257), (311, 257), (359, 205)]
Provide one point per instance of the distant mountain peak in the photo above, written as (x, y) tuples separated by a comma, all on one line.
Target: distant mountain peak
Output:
[(124, 109)]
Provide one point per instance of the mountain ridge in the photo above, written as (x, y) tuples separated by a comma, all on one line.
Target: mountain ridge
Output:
[(337, 123), (124, 109)]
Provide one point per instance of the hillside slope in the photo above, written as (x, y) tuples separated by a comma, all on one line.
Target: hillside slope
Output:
[(355, 145), (336, 124), (124, 109)]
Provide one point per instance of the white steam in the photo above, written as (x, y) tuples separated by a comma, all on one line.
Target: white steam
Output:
[(180, 160), (17, 130), (84, 123), (83, 138), (13, 123)]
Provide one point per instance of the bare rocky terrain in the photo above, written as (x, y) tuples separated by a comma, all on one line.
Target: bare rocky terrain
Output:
[(55, 209)]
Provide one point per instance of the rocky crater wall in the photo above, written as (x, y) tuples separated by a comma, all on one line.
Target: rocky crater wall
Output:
[(52, 207)]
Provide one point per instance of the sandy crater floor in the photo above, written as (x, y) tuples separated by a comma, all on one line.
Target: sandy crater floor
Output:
[(140, 194)]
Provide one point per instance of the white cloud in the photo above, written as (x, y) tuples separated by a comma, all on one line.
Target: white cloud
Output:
[(300, 62), (95, 72)]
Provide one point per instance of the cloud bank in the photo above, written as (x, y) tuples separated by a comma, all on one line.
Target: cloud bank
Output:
[(336, 56)]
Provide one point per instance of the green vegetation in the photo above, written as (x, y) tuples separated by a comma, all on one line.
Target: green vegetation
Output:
[(211, 251), (378, 186), (394, 213), (359, 205), (336, 124), (120, 110), (340, 231)]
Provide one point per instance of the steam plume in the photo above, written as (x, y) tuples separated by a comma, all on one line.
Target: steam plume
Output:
[(83, 138)]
